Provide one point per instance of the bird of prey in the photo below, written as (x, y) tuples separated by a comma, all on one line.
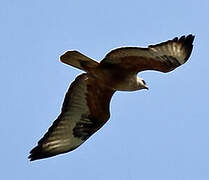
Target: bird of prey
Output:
[(86, 104)]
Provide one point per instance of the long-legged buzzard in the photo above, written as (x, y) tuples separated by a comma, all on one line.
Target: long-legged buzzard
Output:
[(86, 104)]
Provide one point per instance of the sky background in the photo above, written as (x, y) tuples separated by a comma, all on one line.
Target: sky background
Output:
[(160, 134)]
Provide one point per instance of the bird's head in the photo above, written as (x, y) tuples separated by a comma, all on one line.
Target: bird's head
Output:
[(141, 83)]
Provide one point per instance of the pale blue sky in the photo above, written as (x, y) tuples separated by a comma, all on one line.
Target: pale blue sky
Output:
[(160, 134)]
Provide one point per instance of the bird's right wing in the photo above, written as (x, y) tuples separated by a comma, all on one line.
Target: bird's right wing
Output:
[(163, 57), (85, 110)]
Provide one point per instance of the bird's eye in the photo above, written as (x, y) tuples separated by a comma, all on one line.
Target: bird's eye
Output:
[(144, 82)]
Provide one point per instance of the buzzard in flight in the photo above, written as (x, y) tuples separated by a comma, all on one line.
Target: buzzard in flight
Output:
[(86, 104)]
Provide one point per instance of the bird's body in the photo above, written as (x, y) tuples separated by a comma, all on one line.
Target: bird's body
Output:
[(86, 105), (117, 80)]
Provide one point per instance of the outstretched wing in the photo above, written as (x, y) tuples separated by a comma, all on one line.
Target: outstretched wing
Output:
[(162, 57), (85, 110)]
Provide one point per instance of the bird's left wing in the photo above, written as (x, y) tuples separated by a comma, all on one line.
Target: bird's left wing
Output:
[(85, 110), (162, 57)]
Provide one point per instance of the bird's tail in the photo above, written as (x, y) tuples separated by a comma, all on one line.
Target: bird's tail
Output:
[(78, 60)]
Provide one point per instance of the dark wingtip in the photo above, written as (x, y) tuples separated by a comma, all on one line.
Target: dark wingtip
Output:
[(189, 38), (37, 153), (187, 42)]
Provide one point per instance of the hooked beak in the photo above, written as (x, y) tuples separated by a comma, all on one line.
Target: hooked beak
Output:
[(146, 87)]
